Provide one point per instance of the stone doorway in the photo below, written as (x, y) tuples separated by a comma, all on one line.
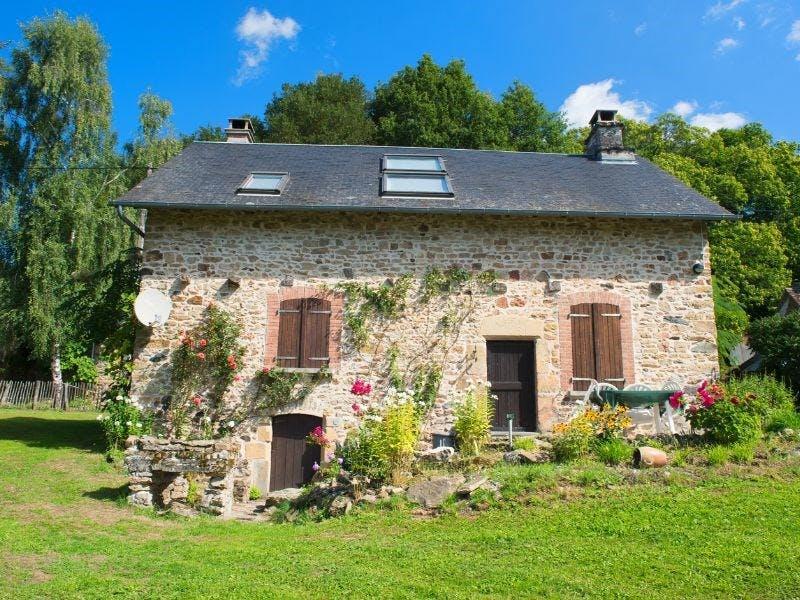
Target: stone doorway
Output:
[(292, 458)]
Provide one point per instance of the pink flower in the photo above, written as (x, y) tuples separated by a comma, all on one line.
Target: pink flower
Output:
[(675, 400), (237, 378), (708, 399), (201, 356), (340, 460), (693, 409), (197, 400), (356, 409), (702, 386), (203, 343), (265, 370), (361, 388), (315, 466)]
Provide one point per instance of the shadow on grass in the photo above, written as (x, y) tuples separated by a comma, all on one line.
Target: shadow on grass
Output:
[(118, 495), (53, 433)]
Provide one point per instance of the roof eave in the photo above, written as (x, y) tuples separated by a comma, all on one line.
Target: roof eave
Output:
[(426, 210)]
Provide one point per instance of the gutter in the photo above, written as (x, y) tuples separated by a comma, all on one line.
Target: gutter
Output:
[(420, 210)]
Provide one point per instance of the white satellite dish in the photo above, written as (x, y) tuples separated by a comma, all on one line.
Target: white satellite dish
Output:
[(152, 307)]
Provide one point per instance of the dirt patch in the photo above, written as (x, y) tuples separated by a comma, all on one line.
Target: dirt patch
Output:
[(30, 568)]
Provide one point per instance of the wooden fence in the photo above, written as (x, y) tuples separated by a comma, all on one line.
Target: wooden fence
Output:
[(39, 394)]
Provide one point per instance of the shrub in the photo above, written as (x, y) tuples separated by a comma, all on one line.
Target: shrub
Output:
[(783, 419), (777, 340), (725, 419), (254, 493), (572, 440), (613, 451), (474, 419), (764, 394), (121, 419), (362, 453), (399, 437)]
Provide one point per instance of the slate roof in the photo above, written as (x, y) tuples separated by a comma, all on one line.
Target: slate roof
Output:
[(207, 175)]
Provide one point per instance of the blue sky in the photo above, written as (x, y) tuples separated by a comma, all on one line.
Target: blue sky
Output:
[(725, 61)]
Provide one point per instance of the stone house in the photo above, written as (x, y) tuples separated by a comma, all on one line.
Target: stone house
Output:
[(601, 263)]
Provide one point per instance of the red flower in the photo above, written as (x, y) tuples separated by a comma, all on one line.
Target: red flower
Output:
[(203, 343), (201, 356), (265, 370), (357, 409), (734, 399), (237, 378), (675, 400), (361, 388), (693, 409), (197, 400)]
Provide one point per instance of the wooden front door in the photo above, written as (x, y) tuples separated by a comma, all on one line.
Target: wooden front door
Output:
[(292, 458), (511, 370)]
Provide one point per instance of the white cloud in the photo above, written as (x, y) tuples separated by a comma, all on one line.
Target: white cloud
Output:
[(725, 45), (719, 9), (581, 104), (794, 33), (739, 23), (797, 58), (714, 121), (684, 108), (258, 30), (640, 30)]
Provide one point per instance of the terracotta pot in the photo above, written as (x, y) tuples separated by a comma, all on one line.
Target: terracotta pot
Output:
[(647, 457)]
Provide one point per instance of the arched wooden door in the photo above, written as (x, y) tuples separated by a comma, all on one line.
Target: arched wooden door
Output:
[(292, 458)]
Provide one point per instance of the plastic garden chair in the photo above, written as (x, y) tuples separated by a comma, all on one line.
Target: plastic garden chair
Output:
[(654, 411)]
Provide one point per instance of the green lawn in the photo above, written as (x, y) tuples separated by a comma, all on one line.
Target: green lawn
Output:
[(65, 532)]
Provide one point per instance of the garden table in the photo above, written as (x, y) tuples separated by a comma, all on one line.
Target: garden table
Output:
[(639, 399)]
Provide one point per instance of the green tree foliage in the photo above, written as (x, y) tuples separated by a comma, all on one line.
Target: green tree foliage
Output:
[(328, 110), (777, 340), (529, 126), (750, 261), (435, 106), (156, 141), (63, 171)]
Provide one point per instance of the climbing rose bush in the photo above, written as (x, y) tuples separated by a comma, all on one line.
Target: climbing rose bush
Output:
[(361, 388)]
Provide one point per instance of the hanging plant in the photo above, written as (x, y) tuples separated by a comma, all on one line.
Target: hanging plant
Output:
[(276, 388)]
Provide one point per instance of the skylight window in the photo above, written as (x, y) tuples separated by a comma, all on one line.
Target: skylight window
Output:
[(411, 162), (264, 183), (414, 175)]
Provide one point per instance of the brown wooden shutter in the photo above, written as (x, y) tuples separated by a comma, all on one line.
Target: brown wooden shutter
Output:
[(606, 320), (289, 329), (315, 333), (583, 348)]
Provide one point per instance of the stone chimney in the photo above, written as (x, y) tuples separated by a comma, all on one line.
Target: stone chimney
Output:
[(239, 131), (605, 139)]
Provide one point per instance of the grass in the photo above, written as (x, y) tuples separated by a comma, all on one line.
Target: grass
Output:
[(66, 532)]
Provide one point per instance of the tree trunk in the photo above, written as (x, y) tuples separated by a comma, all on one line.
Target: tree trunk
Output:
[(58, 381)]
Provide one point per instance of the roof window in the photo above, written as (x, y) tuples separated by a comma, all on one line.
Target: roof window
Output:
[(414, 175), (264, 183)]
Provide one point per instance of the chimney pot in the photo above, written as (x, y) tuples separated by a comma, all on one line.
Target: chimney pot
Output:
[(605, 138), (239, 131)]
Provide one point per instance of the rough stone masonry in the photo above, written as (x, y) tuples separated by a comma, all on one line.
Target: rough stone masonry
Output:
[(543, 266)]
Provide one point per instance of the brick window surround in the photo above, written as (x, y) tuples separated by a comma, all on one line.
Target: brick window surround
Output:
[(292, 293), (565, 332)]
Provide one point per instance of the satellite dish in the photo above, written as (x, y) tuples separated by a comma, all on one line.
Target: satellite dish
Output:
[(152, 307)]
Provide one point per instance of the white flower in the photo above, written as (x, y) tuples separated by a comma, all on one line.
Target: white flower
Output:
[(128, 423), (231, 423), (138, 425), (120, 398), (489, 384), (116, 423), (207, 419), (99, 417)]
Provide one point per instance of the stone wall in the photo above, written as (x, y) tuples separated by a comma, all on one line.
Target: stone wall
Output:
[(186, 476), (671, 332)]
